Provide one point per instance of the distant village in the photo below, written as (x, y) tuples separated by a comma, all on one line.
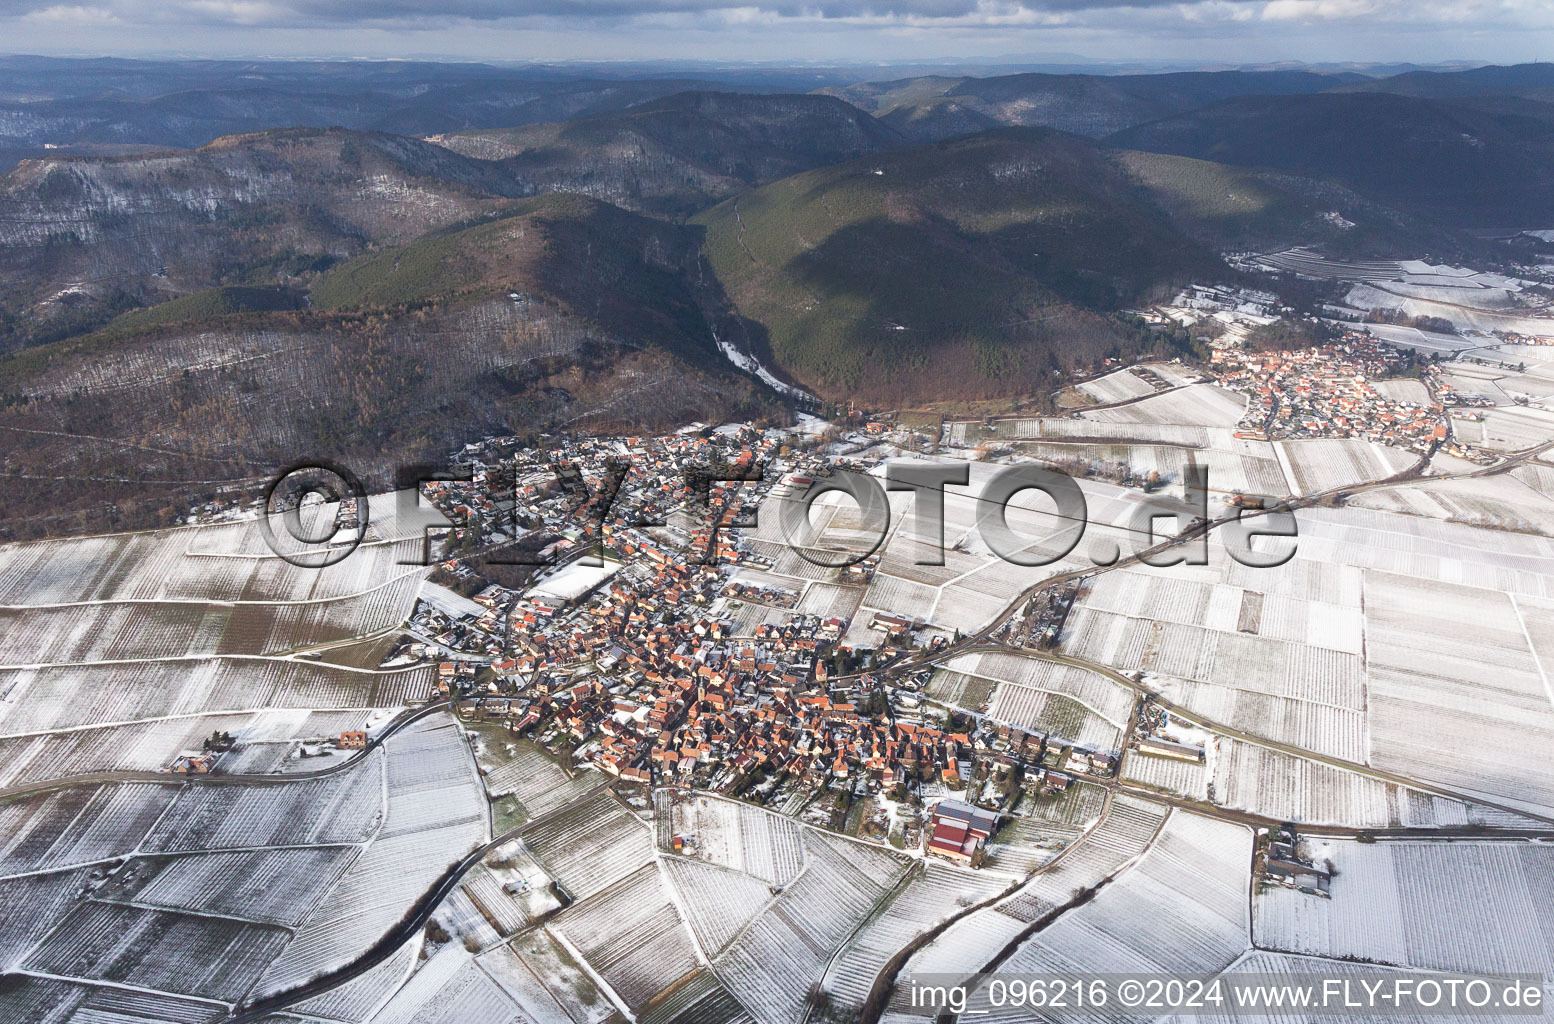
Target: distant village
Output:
[(1329, 391)]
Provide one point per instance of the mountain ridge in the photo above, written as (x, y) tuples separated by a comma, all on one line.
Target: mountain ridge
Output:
[(979, 264), (1469, 166), (681, 153)]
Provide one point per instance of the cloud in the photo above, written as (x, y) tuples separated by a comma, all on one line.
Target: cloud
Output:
[(72, 15), (949, 13), (1317, 10), (1439, 13), (1239, 30), (239, 12)]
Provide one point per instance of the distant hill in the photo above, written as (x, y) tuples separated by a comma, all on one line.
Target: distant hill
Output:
[(189, 103), (880, 98), (965, 268), (1527, 81), (1092, 105), (681, 153), (85, 238), (629, 275), (942, 117), (1466, 166), (408, 353), (1240, 208)]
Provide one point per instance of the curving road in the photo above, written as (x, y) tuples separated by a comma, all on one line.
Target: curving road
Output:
[(235, 778)]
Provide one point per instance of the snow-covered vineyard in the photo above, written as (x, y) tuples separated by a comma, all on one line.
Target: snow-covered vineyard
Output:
[(272, 883), (1190, 882), (1468, 906), (982, 936), (650, 932), (781, 951), (120, 653), (51, 699), (766, 921)]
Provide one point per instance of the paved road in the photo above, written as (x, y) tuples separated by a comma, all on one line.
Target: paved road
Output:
[(227, 779)]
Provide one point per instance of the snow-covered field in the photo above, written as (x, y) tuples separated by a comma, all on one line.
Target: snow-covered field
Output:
[(1109, 700), (435, 813), (1248, 466), (1174, 373), (78, 696), (452, 986), (1291, 667), (1182, 909), (935, 894), (1303, 260), (539, 783), (631, 936), (1482, 310), (1505, 502), (1200, 405), (1060, 700), (229, 562), (47, 897), (142, 746), (271, 886), (1458, 685), (545, 981), (346, 807), (165, 951), (1404, 389), (1128, 827), (1089, 428), (119, 652), (1408, 643), (1426, 342), (1321, 464), (1510, 428), (1249, 777), (591, 845), (733, 835), (81, 825), (1168, 775), (1116, 387), (574, 580), (1459, 906), (1473, 299), (972, 942), (774, 962), (717, 902)]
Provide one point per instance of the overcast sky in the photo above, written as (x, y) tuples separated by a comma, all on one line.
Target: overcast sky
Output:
[(1498, 31)]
